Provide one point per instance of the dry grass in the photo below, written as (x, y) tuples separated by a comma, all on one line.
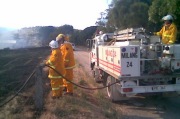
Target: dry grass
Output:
[(84, 104)]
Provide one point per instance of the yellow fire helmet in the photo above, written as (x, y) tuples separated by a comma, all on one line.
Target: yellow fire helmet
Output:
[(59, 37)]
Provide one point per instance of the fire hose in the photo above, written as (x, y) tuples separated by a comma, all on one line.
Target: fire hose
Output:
[(80, 85), (62, 77), (19, 89)]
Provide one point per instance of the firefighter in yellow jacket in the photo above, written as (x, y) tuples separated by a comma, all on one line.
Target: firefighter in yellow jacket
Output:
[(168, 31), (69, 61), (56, 62)]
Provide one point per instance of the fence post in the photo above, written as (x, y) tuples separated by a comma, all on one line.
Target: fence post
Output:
[(39, 92)]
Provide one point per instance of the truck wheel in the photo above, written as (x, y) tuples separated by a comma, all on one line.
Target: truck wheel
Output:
[(104, 79), (92, 69), (113, 91), (97, 76), (93, 73)]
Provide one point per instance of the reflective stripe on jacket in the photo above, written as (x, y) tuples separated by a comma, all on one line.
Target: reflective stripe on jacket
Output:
[(50, 76), (50, 64), (168, 34), (56, 62), (70, 67), (55, 88), (60, 86)]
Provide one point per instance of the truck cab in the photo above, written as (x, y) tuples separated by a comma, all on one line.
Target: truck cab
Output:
[(98, 40)]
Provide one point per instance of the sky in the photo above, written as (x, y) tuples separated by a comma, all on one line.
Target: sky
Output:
[(29, 13)]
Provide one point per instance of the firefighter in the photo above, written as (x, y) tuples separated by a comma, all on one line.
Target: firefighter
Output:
[(168, 31), (56, 62), (69, 61)]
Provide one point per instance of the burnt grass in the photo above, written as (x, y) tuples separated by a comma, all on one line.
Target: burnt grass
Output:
[(16, 66)]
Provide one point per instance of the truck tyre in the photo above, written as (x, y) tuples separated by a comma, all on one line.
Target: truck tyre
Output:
[(113, 91), (97, 77), (93, 73), (92, 69), (104, 79)]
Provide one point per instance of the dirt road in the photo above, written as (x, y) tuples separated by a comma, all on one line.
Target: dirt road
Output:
[(138, 108)]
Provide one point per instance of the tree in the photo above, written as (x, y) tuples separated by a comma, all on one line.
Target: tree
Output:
[(102, 20), (160, 8), (75, 37), (65, 29), (44, 34), (80, 37), (128, 13), (136, 17)]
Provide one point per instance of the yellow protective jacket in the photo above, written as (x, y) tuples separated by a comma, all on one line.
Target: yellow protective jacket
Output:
[(168, 34), (56, 61), (68, 55)]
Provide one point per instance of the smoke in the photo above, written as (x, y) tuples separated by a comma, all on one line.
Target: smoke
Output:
[(10, 40), (6, 39)]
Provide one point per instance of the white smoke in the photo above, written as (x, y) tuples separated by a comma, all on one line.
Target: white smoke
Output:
[(6, 39)]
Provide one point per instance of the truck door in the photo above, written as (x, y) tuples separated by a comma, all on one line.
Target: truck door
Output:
[(110, 59)]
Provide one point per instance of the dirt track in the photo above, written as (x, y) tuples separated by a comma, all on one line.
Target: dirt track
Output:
[(139, 108)]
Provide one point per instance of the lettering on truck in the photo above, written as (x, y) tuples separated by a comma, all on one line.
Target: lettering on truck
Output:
[(110, 53), (132, 53), (129, 55)]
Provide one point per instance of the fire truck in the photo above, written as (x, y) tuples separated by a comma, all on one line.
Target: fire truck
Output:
[(137, 61)]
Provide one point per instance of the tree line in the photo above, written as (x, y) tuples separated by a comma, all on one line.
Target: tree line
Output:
[(121, 14)]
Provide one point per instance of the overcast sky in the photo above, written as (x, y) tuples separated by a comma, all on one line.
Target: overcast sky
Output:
[(28, 13)]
